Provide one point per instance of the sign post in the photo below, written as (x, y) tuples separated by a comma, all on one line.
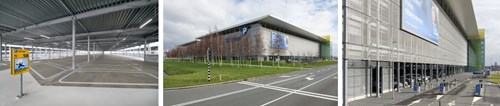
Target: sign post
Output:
[(209, 54), (19, 64)]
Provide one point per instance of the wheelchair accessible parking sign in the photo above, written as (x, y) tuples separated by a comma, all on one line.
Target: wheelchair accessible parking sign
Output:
[(19, 61)]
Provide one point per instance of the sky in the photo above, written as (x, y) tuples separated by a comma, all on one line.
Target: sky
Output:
[(184, 20), (488, 17)]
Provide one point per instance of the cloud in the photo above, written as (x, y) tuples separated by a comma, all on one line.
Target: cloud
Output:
[(187, 19), (487, 17)]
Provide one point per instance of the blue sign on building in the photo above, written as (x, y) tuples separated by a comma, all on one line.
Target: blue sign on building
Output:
[(244, 31)]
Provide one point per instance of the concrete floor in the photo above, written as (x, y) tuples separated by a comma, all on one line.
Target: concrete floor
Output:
[(103, 71), (107, 80)]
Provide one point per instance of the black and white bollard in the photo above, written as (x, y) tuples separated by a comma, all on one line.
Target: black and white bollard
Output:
[(209, 54)]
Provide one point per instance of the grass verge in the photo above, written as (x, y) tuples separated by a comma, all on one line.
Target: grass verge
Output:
[(494, 78)]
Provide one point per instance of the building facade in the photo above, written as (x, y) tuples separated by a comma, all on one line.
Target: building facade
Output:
[(381, 50), (263, 38)]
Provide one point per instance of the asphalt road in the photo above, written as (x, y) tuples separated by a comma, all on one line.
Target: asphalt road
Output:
[(312, 87), (463, 95)]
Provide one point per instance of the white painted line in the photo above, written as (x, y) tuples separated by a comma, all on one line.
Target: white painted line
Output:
[(109, 83), (213, 97), (414, 102), (106, 83), (234, 92), (475, 99), (62, 68), (310, 77), (286, 76), (452, 103), (132, 72), (104, 69), (299, 90), (137, 68), (291, 91), (41, 76), (439, 97)]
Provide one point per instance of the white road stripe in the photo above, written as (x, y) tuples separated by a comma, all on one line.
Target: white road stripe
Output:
[(414, 102), (292, 91), (234, 92), (298, 90)]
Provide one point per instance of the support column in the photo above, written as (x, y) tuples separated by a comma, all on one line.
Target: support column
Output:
[(73, 45), (32, 50), (94, 50), (378, 79), (88, 48), (145, 43), (1, 51), (404, 74), (399, 77), (412, 80)]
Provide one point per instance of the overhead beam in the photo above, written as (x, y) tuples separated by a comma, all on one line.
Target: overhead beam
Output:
[(107, 10), (44, 40)]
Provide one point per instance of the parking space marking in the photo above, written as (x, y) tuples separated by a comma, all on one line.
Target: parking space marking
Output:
[(107, 83), (137, 68), (41, 76)]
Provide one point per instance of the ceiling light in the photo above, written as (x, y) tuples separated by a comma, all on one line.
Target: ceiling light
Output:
[(45, 36), (146, 23), (28, 38)]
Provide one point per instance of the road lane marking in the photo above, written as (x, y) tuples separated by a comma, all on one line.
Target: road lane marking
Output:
[(291, 91), (475, 99), (310, 77), (41, 76), (439, 97), (286, 76), (108, 83), (213, 97), (234, 92), (298, 90), (414, 102)]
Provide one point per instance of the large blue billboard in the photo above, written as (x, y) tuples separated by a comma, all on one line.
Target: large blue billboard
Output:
[(420, 17), (278, 40)]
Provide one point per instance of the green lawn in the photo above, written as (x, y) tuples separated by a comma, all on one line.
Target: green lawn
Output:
[(284, 64), (185, 73), (494, 78)]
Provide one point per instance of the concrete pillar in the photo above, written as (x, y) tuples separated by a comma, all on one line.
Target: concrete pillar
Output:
[(94, 50), (1, 51), (412, 80), (88, 48), (32, 50), (399, 76), (73, 42), (378, 79), (404, 73), (145, 43)]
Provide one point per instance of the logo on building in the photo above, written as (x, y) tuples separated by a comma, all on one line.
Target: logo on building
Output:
[(244, 31)]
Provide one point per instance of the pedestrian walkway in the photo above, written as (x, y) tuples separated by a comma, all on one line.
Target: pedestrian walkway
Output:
[(407, 95)]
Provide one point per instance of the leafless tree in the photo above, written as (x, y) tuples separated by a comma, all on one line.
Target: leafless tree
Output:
[(259, 46), (276, 48)]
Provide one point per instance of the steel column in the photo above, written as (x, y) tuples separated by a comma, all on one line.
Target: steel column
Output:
[(73, 44)]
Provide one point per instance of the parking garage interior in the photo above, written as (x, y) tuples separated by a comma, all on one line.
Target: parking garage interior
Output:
[(91, 43)]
